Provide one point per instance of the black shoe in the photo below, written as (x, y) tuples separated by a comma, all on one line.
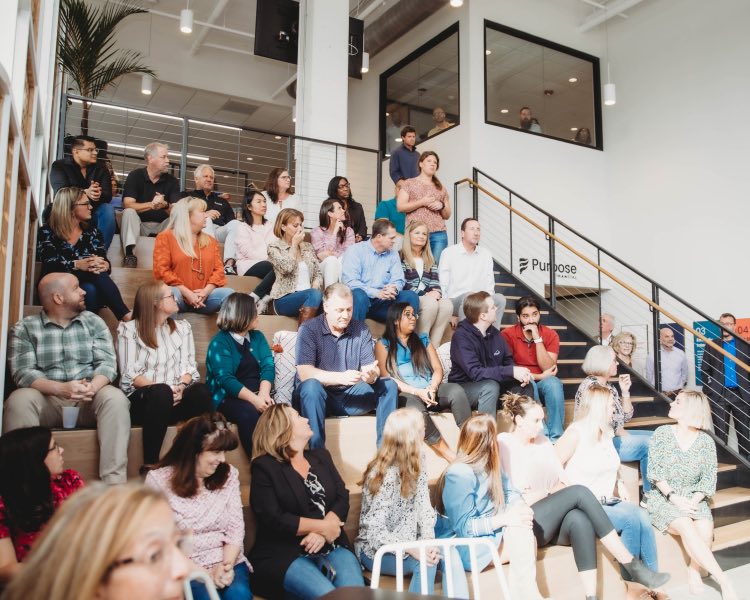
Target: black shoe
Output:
[(130, 261), (639, 573)]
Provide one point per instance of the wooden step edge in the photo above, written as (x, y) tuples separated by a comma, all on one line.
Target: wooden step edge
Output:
[(731, 535), (569, 361), (647, 421), (722, 468), (729, 496), (635, 400), (558, 327), (567, 343)]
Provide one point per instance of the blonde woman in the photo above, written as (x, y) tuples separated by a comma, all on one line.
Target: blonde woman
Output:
[(297, 289), (300, 504), (396, 504), (567, 515), (600, 365), (682, 469), (189, 260), (69, 243), (107, 543), (421, 275), (470, 503), (588, 453), (624, 344)]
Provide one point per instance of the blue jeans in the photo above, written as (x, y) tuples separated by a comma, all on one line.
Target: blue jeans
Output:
[(212, 303), (635, 447), (103, 218), (101, 291), (551, 395), (238, 590), (377, 309), (634, 526), (411, 566), (315, 401), (245, 416), (438, 243), (290, 304), (304, 579)]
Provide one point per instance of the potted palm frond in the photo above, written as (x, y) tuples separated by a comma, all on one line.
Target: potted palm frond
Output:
[(86, 48)]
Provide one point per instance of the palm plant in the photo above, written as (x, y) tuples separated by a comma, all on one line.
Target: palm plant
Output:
[(86, 48)]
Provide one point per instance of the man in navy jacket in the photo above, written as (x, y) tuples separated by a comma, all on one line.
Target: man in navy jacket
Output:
[(480, 360)]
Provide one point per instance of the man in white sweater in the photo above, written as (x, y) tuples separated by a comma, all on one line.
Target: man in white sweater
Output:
[(466, 268)]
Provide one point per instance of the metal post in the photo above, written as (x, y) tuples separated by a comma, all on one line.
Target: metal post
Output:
[(289, 154), (552, 278), (655, 335), (183, 154), (599, 279), (475, 195), (455, 212), (61, 125), (510, 230), (379, 174)]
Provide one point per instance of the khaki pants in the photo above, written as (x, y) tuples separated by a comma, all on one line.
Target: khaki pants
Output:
[(519, 547), (434, 316), (109, 412), (131, 227)]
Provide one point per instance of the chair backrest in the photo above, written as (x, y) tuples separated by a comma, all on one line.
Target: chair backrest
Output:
[(445, 545)]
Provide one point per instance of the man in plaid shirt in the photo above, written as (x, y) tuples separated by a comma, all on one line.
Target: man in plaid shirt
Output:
[(64, 356)]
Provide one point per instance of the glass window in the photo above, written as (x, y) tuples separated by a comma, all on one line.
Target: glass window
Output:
[(421, 91), (540, 87)]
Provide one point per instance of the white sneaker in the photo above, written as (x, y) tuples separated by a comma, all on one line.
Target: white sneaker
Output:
[(262, 304)]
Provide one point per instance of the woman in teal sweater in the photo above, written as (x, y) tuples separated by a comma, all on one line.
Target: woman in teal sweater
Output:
[(239, 366)]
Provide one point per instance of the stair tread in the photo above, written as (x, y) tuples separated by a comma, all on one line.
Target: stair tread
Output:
[(730, 535), (558, 327), (722, 468), (633, 399), (569, 361), (646, 421), (729, 496), (568, 343)]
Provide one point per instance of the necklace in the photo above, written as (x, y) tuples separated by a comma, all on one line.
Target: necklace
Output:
[(200, 276)]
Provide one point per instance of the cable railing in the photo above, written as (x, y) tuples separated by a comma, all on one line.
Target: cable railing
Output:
[(241, 156), (583, 282)]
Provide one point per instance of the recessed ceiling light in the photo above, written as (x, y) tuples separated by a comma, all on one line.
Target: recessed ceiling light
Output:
[(457, 3), (387, 114), (398, 139), (504, 110), (226, 176), (573, 80), (574, 128), (249, 158), (488, 52), (277, 137)]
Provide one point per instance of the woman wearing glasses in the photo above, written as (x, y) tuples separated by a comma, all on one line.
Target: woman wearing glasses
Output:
[(251, 243), (33, 484), (157, 367), (204, 493), (189, 260), (278, 193), (69, 244), (108, 543), (339, 188)]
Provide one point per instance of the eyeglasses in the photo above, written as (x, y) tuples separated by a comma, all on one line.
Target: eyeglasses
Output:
[(409, 316), (87, 203), (94, 150), (156, 559), (343, 186), (168, 296), (55, 446)]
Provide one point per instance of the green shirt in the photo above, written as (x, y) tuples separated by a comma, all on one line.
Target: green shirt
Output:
[(41, 349)]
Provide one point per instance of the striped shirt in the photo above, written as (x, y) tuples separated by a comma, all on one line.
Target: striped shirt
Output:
[(42, 349), (173, 357)]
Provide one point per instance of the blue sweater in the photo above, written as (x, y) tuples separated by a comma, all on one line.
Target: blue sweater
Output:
[(223, 359)]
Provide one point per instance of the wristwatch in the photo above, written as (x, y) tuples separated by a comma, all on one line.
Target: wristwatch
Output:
[(538, 340)]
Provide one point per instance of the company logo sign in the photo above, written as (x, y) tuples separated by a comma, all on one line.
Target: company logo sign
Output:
[(563, 270)]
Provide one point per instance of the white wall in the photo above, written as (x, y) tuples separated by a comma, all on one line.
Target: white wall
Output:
[(673, 152)]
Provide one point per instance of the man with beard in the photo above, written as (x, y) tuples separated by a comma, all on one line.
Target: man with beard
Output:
[(441, 123), (147, 196), (536, 347), (64, 357), (726, 384), (528, 122), (674, 367)]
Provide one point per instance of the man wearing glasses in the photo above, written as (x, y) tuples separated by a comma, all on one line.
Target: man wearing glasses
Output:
[(82, 170)]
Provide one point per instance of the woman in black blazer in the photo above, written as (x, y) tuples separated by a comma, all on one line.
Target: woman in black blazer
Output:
[(300, 504)]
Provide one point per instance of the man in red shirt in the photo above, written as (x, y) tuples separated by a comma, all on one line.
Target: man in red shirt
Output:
[(536, 347)]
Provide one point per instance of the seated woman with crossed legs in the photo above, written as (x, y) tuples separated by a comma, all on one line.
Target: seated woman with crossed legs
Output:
[(565, 515)]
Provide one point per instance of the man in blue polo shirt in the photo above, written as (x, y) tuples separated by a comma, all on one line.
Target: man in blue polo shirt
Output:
[(337, 369), (373, 271), (405, 159)]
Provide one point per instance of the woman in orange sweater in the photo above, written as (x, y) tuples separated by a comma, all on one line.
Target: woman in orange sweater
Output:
[(189, 261)]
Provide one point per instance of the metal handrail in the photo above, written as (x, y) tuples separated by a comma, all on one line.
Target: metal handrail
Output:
[(603, 271)]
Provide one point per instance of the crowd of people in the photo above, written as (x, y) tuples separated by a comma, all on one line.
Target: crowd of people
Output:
[(536, 485)]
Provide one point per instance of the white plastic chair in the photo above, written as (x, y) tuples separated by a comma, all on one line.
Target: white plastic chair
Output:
[(204, 578), (445, 545)]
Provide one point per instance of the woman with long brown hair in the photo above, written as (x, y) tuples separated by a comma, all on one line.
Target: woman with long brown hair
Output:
[(424, 198), (331, 239), (158, 372), (470, 503), (278, 192), (204, 493), (396, 504)]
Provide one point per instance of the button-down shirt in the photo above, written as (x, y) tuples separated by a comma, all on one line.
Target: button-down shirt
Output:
[(317, 346), (730, 367), (404, 163), (674, 369), (58, 255), (367, 269), (462, 272), (42, 349)]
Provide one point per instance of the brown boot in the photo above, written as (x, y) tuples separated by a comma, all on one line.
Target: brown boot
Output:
[(306, 313)]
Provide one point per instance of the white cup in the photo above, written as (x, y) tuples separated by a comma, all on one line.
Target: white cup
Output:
[(70, 416)]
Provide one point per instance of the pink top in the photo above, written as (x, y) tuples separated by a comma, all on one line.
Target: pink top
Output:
[(323, 241), (214, 516), (417, 190), (251, 243), (533, 468)]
